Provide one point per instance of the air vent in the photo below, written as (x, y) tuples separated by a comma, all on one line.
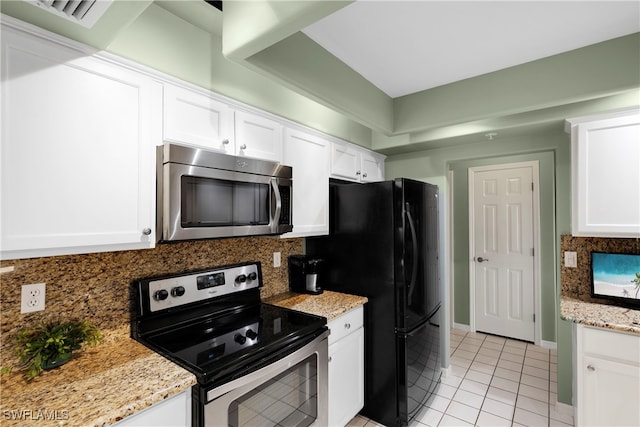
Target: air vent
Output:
[(83, 12)]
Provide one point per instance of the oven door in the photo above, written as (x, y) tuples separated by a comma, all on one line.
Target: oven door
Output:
[(204, 203), (292, 391)]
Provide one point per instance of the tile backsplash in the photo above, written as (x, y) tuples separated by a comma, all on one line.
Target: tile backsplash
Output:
[(576, 282), (96, 286)]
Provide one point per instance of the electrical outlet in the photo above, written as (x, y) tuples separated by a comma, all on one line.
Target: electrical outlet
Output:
[(570, 259), (276, 259), (33, 298)]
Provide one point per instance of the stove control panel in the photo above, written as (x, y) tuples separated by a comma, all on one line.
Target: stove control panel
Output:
[(193, 287)]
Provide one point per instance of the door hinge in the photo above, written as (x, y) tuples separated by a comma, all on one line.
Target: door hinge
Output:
[(534, 318), (533, 252), (532, 186)]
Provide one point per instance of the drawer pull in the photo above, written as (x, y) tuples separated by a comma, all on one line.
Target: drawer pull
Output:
[(591, 368), (347, 325), (330, 358)]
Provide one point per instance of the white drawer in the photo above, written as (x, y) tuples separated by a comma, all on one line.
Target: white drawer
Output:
[(611, 344), (345, 324)]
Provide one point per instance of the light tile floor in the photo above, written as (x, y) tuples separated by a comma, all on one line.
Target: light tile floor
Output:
[(495, 381)]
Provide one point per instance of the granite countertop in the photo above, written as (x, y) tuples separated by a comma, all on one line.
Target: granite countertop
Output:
[(600, 315), (103, 384), (328, 304), (99, 385)]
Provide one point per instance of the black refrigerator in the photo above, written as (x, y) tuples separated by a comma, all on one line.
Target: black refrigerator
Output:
[(383, 245)]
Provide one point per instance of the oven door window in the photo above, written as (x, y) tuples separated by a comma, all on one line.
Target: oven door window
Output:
[(208, 202), (288, 399)]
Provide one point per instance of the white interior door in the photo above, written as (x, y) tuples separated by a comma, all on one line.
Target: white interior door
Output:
[(502, 224)]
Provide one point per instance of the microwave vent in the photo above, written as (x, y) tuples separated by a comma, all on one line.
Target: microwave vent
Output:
[(83, 12)]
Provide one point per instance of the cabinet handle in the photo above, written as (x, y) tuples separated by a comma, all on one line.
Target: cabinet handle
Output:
[(364, 175), (347, 325), (358, 173), (146, 231), (329, 358), (225, 141), (243, 147), (591, 368)]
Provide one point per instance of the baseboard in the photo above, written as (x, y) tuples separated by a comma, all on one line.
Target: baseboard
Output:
[(461, 327), (446, 372), (548, 344), (563, 408)]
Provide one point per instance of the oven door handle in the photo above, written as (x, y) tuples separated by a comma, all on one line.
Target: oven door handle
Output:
[(274, 368), (275, 219)]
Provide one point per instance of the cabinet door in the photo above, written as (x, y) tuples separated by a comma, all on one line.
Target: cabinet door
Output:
[(606, 177), (197, 119), (77, 151), (174, 411), (258, 137), (308, 155), (346, 378), (345, 162), (372, 167), (610, 391)]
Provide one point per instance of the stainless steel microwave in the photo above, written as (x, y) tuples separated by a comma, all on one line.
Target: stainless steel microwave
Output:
[(203, 194)]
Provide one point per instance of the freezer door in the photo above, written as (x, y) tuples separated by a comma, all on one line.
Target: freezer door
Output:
[(416, 225), (418, 367)]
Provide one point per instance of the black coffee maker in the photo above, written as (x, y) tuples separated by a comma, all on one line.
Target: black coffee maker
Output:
[(305, 274)]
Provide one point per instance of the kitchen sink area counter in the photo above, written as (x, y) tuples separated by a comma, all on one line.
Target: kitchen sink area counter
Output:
[(328, 304), (600, 315), (98, 386)]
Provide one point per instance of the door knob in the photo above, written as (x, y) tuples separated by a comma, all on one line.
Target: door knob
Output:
[(480, 259)]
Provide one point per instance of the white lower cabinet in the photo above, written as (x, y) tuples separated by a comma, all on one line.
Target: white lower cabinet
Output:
[(308, 155), (607, 377), (346, 367), (172, 412)]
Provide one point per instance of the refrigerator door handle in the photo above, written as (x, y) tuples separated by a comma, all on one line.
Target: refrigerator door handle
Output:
[(414, 244)]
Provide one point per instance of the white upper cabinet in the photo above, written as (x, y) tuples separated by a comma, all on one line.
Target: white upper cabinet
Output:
[(372, 165), (308, 155), (196, 118), (354, 163), (77, 156), (258, 136), (605, 173)]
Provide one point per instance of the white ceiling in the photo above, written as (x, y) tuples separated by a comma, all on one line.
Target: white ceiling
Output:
[(404, 47)]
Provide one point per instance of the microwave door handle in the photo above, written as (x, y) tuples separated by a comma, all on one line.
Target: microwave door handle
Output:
[(276, 215)]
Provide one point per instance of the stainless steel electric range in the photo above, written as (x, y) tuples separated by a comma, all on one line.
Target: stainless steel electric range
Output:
[(256, 364)]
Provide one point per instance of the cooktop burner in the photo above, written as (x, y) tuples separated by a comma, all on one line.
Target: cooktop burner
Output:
[(213, 324), (219, 346)]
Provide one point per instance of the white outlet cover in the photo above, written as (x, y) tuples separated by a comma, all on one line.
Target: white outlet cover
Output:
[(277, 259), (570, 259), (33, 298)]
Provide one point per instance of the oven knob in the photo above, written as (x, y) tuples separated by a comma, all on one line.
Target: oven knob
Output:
[(253, 276), (239, 338), (250, 334), (241, 279), (178, 291), (160, 295)]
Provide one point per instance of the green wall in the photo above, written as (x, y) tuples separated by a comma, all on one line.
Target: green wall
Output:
[(551, 148), (195, 55)]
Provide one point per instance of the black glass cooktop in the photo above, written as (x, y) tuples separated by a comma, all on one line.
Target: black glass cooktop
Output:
[(221, 348)]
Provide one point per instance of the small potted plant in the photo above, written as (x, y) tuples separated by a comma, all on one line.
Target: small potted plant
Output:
[(50, 345)]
